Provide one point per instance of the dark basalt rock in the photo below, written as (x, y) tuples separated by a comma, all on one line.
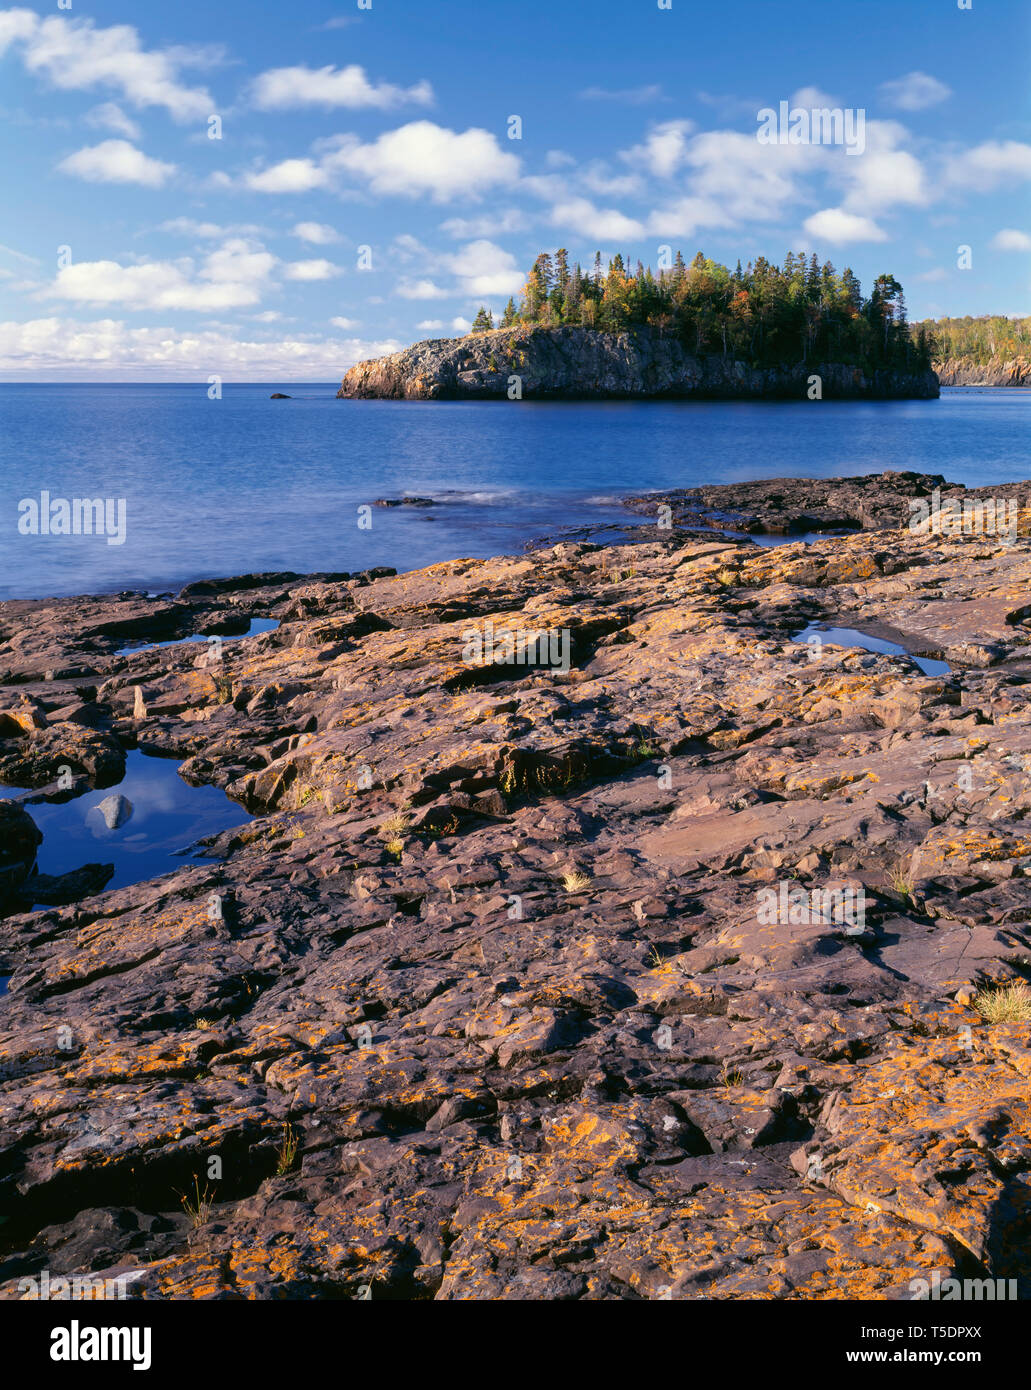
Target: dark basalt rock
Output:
[(488, 1003), (279, 396), (582, 364)]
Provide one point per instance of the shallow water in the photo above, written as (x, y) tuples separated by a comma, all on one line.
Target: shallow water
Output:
[(257, 625), (853, 637), (168, 816), (216, 488)]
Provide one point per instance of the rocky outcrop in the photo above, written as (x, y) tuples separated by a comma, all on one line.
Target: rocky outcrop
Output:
[(490, 1002), (961, 371), (578, 363)]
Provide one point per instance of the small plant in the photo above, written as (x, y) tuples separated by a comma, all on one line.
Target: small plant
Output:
[(1005, 1004), (729, 1079), (395, 847), (223, 689), (726, 576), (630, 573), (287, 1152), (574, 882), (203, 1024), (394, 826), (198, 1207), (902, 877)]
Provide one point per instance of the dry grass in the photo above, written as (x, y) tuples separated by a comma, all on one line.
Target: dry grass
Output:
[(1005, 1004), (393, 826), (287, 1152), (395, 847), (574, 882)]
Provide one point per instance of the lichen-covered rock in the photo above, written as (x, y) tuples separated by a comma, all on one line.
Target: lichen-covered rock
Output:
[(580, 363), (490, 1001)]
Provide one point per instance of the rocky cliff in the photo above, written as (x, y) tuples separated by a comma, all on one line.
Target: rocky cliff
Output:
[(579, 363), (961, 371)]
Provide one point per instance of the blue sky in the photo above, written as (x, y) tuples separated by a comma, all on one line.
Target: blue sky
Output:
[(365, 191)]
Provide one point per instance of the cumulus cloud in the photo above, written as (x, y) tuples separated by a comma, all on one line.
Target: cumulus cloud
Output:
[(289, 176), (421, 289), (317, 233), (995, 164), (424, 159), (232, 277), (663, 149), (883, 176), (596, 224), (284, 89), (68, 349), (110, 116), (840, 227), (429, 325), (914, 92), (1010, 239), (116, 161), (345, 324), (74, 55), (311, 270)]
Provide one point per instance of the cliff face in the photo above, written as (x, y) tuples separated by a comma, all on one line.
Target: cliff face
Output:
[(960, 371), (579, 363)]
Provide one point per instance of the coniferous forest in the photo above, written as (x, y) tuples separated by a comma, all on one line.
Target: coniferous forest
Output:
[(763, 314)]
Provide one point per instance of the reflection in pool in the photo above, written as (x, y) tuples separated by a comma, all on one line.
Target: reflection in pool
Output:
[(167, 816), (3, 984), (852, 637), (257, 625)]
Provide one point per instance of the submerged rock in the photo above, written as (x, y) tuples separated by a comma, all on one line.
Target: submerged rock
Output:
[(116, 810), (19, 839)]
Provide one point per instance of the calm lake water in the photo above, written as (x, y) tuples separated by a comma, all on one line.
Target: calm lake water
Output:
[(216, 488)]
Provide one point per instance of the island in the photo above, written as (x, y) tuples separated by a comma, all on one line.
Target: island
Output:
[(802, 331)]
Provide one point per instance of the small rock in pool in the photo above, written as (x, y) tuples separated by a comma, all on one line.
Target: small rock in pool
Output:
[(116, 810)]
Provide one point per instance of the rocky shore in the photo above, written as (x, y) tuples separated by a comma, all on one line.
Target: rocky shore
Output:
[(580, 363), (999, 371), (489, 1001)]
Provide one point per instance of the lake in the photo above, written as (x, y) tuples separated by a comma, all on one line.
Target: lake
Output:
[(215, 488)]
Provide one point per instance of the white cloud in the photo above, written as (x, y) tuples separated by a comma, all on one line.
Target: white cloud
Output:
[(116, 161), (283, 89), (596, 224), (421, 289), (462, 325), (813, 99), (290, 176), (110, 116), (491, 224), (311, 270), (207, 231), (429, 325), (995, 164), (841, 228), (631, 96), (317, 233), (663, 150), (484, 269), (345, 324), (1010, 239), (687, 216), (231, 277), (914, 92), (883, 175), (74, 55), (424, 158), (67, 349)]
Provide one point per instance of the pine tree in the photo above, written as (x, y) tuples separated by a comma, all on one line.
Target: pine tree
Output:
[(483, 322), (511, 314)]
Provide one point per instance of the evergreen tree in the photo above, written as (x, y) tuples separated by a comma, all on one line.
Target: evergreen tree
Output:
[(483, 322)]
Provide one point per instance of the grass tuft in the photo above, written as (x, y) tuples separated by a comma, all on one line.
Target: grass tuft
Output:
[(1005, 1004)]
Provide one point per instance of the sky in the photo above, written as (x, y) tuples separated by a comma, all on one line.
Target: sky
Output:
[(272, 192)]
